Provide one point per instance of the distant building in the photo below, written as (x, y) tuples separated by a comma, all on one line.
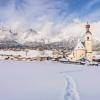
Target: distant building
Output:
[(57, 54), (83, 49)]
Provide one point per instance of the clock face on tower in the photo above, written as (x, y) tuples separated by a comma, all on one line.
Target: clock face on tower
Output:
[(88, 37)]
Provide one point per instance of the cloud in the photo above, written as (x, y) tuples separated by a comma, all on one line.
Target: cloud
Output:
[(30, 11), (77, 29), (91, 4), (58, 18)]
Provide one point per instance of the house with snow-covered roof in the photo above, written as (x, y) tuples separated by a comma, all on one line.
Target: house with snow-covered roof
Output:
[(83, 49)]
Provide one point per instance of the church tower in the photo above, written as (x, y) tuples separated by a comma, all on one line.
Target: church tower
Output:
[(88, 43)]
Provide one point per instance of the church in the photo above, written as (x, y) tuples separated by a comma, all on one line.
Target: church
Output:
[(83, 49)]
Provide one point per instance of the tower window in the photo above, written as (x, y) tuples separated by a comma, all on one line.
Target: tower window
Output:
[(87, 38)]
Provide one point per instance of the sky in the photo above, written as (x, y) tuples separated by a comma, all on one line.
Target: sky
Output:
[(57, 17)]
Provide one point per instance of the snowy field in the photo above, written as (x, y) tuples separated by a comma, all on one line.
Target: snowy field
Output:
[(48, 81)]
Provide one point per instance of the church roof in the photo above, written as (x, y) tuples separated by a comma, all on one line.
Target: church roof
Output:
[(83, 43), (88, 32), (80, 46)]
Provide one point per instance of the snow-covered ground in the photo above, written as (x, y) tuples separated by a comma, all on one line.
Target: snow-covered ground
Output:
[(48, 81)]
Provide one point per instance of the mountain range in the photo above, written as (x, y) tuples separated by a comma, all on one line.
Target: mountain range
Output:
[(33, 39)]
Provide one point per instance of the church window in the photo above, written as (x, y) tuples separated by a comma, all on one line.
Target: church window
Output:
[(87, 38)]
